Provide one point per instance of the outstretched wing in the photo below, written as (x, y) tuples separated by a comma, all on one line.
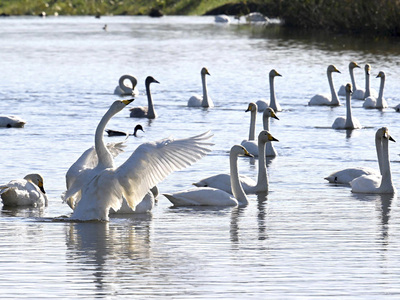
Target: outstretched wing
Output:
[(153, 162)]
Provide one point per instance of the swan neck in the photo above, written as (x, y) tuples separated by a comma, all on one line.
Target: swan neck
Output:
[(335, 99), (380, 96), (252, 130), (150, 112), (353, 81), (386, 182), (349, 119), (272, 93), (266, 123), (262, 180), (378, 146), (367, 86), (104, 156), (205, 92), (237, 189)]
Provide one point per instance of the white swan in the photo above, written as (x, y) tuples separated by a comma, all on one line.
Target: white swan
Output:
[(251, 144), (357, 92), (207, 196), (124, 90), (111, 132), (368, 90), (380, 102), (24, 192), (269, 113), (11, 121), (377, 184), (222, 19), (325, 99), (205, 100), (145, 112), (348, 122), (256, 17), (223, 181), (263, 104)]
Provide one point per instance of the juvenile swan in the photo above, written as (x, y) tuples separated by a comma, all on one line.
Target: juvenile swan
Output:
[(145, 112), (326, 99), (205, 100), (273, 103)]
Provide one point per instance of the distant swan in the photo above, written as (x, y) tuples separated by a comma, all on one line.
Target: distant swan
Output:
[(145, 112), (325, 99), (269, 113), (24, 192), (368, 90), (111, 132), (256, 17), (11, 121), (214, 197), (357, 93), (348, 122), (205, 100), (251, 144), (380, 102), (124, 90), (223, 181), (273, 103), (222, 19), (377, 184)]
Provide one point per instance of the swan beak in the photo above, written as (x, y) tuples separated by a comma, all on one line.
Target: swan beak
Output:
[(126, 102), (246, 153), (391, 139), (277, 74), (272, 139), (40, 185), (208, 73), (388, 136), (156, 81), (274, 116)]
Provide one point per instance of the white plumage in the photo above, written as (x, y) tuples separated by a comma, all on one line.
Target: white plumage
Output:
[(348, 122), (326, 99), (204, 100), (11, 121), (251, 144), (149, 111), (380, 102), (123, 90), (357, 92), (273, 103)]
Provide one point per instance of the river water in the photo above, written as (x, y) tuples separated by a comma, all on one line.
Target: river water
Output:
[(305, 239)]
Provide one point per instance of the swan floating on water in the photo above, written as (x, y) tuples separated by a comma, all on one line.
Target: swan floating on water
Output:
[(256, 17), (273, 103), (382, 183), (223, 181), (145, 112), (326, 99), (222, 19), (380, 102), (24, 192), (124, 90), (111, 132), (205, 100), (348, 122), (368, 90), (11, 121), (208, 196), (251, 144), (357, 93)]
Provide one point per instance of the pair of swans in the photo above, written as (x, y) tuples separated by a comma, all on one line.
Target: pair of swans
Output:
[(273, 103), (95, 185), (251, 145), (28, 191), (379, 102), (111, 132), (205, 100), (123, 90), (223, 181), (142, 111), (368, 180), (326, 99), (11, 121), (348, 122)]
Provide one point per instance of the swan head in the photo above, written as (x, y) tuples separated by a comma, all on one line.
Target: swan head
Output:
[(384, 133), (119, 105), (381, 75), (36, 179), (204, 72), (252, 107), (137, 127), (240, 150), (150, 79), (265, 136), (274, 73), (269, 113), (353, 65), (367, 69), (349, 89), (332, 68)]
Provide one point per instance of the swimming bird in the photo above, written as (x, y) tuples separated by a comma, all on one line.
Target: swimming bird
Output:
[(205, 100), (222, 19), (348, 122), (368, 90), (11, 121), (325, 99), (145, 112), (377, 184), (267, 114), (223, 181), (380, 102), (357, 92), (111, 132), (24, 192), (273, 103), (207, 196), (124, 90), (250, 144)]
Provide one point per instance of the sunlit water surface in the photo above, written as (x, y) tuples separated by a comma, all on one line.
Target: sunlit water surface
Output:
[(305, 239)]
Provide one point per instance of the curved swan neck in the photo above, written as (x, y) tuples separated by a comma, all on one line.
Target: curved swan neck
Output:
[(204, 103), (335, 99), (349, 119), (262, 180), (150, 112), (237, 188), (125, 88), (104, 156), (386, 182), (252, 130)]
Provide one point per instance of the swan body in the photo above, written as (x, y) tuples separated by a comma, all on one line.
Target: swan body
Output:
[(205, 100), (267, 114), (380, 102), (222, 19), (325, 99), (263, 104), (124, 90), (24, 192), (111, 132), (251, 145), (11, 121), (368, 90), (144, 206), (357, 92), (145, 112), (223, 181), (207, 196), (256, 17), (347, 175), (377, 184), (348, 122)]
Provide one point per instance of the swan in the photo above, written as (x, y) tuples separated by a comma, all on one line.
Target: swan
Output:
[(223, 181), (263, 104), (111, 132), (250, 144), (269, 113), (380, 102), (124, 90), (377, 184), (324, 99), (397, 108), (207, 196), (348, 122), (368, 90), (222, 19), (11, 121), (357, 93), (145, 112), (24, 192), (205, 100), (256, 17)]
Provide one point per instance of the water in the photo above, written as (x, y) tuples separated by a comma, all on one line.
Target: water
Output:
[(305, 239)]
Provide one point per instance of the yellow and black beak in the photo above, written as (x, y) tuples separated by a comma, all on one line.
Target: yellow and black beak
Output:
[(126, 102), (40, 185)]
